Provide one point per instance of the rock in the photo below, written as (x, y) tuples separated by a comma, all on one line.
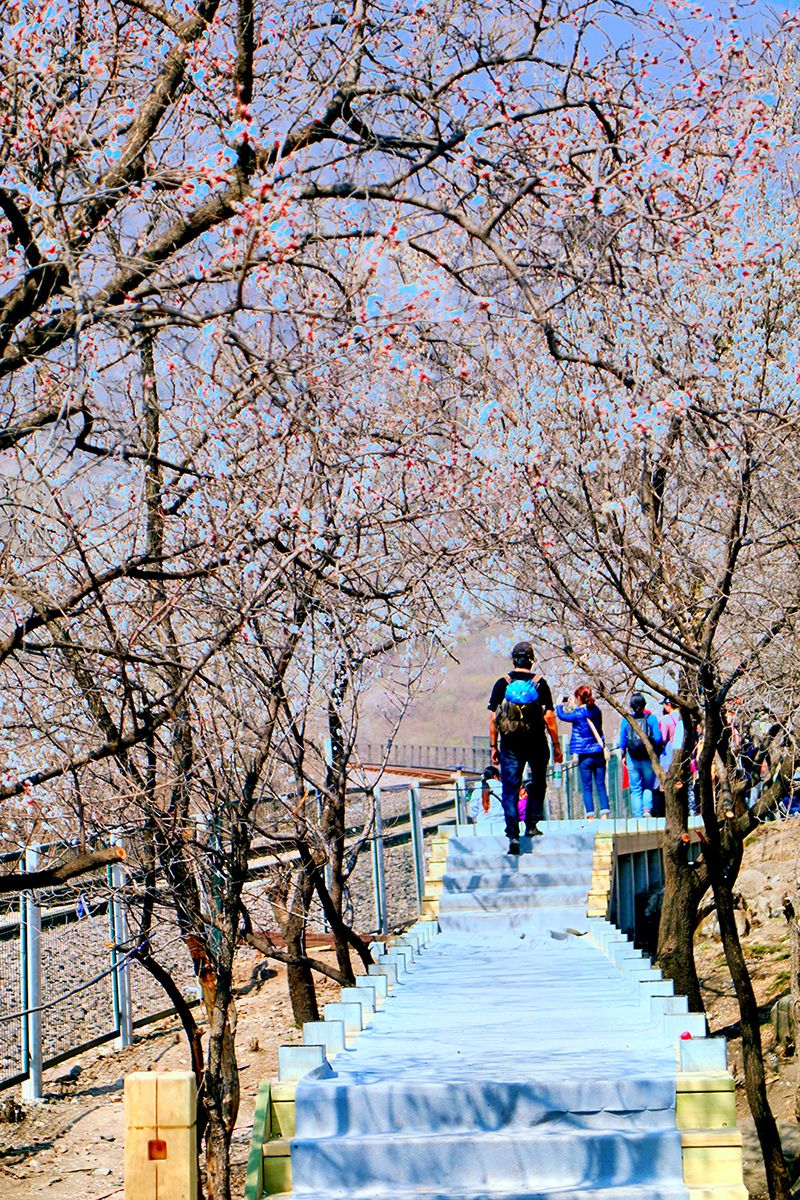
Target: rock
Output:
[(101, 1171), (751, 884), (709, 926), (11, 1111), (742, 922), (781, 1017), (760, 910)]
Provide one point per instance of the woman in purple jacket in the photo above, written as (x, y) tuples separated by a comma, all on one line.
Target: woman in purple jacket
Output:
[(588, 743)]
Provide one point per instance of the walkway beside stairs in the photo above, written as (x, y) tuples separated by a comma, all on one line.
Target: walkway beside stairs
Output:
[(527, 1053)]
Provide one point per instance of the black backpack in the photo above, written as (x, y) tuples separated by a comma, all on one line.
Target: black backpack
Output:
[(634, 744)]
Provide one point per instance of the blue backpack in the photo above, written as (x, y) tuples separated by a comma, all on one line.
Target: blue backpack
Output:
[(520, 710)]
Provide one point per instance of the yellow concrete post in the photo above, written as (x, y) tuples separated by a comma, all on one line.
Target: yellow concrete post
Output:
[(160, 1136)]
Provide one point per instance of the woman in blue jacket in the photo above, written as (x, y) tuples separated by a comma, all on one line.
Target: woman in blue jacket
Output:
[(589, 745)]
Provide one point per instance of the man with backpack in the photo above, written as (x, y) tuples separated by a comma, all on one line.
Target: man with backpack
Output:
[(522, 717), (642, 777)]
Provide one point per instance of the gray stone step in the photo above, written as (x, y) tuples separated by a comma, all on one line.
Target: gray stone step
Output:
[(652, 1192), (528, 921), (338, 1106), (512, 898), (523, 880), (496, 1161)]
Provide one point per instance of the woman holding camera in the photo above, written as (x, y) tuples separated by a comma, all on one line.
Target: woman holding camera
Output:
[(588, 743)]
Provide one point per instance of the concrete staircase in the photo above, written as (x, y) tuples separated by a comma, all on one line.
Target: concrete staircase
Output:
[(485, 889), (511, 1060), (503, 1068)]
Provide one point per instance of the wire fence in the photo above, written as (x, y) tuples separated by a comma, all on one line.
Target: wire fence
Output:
[(64, 987)]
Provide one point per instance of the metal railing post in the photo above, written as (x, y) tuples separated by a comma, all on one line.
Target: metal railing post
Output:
[(461, 799), (121, 979), (417, 841), (378, 874), (32, 1086), (24, 1050)]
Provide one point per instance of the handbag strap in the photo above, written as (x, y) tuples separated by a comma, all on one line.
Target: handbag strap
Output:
[(597, 737)]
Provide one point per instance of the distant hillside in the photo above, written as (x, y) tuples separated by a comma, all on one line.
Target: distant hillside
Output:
[(454, 709)]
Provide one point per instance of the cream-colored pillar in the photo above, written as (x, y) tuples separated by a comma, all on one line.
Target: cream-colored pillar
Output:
[(160, 1136)]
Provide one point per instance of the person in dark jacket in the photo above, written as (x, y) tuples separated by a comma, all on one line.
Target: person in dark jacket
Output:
[(588, 743), (640, 770), (511, 752)]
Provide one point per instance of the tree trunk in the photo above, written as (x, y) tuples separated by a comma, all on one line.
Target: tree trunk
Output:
[(723, 863), (755, 1082), (302, 992), (684, 883), (790, 912), (334, 812), (676, 928)]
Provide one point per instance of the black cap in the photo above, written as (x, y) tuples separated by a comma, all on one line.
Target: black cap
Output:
[(522, 650)]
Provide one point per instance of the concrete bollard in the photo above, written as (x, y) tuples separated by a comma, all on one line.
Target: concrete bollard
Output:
[(651, 990), (329, 1034), (676, 1024), (781, 1017), (624, 954), (398, 954), (389, 969), (702, 1054), (365, 996), (661, 1005), (378, 983), (629, 965), (160, 1136), (349, 1014), (296, 1061), (643, 975)]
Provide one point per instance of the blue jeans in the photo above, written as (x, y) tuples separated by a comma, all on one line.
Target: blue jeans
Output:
[(593, 771), (643, 779), (513, 759)]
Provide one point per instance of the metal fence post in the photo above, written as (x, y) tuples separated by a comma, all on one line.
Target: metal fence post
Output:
[(566, 775), (121, 979), (417, 841), (378, 875), (32, 1086), (461, 799), (24, 1056)]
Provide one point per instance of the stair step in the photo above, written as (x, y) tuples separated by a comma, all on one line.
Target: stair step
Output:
[(495, 1161), (470, 881), (650, 1192), (509, 920), (339, 1106), (491, 902), (517, 862)]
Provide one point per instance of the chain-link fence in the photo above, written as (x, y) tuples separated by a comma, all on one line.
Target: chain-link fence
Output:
[(64, 988)]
